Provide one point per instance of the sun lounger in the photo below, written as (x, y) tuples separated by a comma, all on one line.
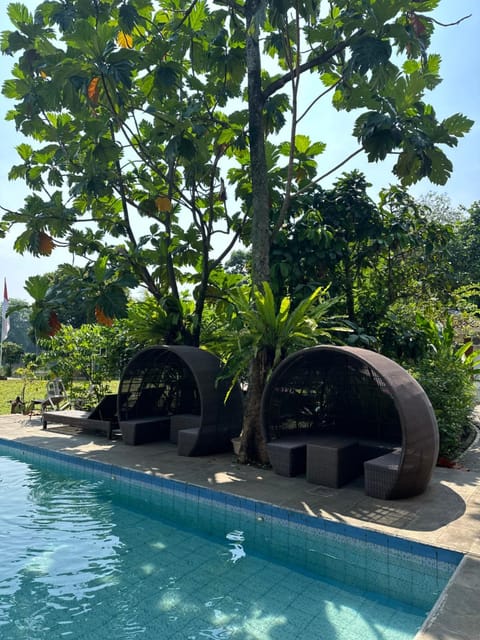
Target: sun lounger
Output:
[(102, 418), (79, 419)]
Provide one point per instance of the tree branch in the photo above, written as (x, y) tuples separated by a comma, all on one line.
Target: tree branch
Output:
[(214, 263), (449, 24), (186, 14), (293, 61), (332, 170), (310, 64), (319, 97)]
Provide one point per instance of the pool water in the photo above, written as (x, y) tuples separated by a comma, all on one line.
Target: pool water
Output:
[(90, 551)]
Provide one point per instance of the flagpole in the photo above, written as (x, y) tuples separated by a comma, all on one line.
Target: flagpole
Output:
[(5, 323), (1, 346)]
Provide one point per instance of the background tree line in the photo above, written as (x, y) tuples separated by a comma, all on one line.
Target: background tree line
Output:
[(412, 295)]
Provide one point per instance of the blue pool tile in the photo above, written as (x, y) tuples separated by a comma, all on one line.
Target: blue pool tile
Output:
[(334, 549), (376, 538)]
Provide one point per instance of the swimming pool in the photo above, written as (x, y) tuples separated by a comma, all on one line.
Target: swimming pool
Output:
[(95, 551)]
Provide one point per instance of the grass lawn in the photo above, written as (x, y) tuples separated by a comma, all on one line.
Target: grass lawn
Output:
[(36, 390), (10, 389)]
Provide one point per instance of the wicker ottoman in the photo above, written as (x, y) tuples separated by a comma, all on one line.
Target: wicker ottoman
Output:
[(333, 461), (144, 430), (287, 456), (381, 475), (183, 421)]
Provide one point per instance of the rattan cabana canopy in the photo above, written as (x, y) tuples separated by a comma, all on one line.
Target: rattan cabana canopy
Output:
[(177, 392), (385, 419)]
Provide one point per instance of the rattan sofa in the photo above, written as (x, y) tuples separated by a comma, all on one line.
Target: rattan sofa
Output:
[(177, 393), (328, 392)]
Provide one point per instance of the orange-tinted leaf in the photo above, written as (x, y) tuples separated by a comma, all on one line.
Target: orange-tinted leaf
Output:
[(101, 318), (163, 203), (93, 90), (54, 324), (124, 40), (45, 244)]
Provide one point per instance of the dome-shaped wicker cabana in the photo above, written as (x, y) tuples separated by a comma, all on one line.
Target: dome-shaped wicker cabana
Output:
[(176, 392), (337, 412)]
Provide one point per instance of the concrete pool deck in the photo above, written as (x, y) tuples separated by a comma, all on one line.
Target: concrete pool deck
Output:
[(447, 515)]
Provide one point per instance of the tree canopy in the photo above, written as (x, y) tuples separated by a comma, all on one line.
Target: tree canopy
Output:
[(143, 115)]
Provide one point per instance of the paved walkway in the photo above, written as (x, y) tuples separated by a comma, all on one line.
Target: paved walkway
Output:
[(446, 515)]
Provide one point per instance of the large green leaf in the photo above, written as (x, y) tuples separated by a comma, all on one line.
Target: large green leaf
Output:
[(128, 17), (457, 125), (37, 286), (19, 14), (368, 53)]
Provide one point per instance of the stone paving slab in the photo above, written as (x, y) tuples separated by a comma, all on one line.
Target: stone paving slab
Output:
[(446, 515)]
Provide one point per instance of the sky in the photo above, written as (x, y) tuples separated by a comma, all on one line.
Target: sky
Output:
[(459, 48)]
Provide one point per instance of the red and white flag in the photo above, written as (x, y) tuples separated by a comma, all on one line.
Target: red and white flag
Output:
[(5, 320)]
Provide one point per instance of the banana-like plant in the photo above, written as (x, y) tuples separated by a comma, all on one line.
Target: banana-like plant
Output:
[(441, 340), (260, 323), (447, 372)]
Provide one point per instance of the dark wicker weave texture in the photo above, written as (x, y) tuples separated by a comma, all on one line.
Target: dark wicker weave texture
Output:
[(182, 385), (358, 394)]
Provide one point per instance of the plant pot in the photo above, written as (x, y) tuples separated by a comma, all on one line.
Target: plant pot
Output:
[(236, 445)]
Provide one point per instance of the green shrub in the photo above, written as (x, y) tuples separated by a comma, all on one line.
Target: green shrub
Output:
[(446, 372), (450, 388)]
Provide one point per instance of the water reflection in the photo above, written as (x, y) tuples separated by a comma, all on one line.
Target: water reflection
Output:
[(77, 564)]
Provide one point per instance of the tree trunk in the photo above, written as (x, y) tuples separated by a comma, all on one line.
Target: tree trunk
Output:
[(349, 295), (252, 442), (258, 164)]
